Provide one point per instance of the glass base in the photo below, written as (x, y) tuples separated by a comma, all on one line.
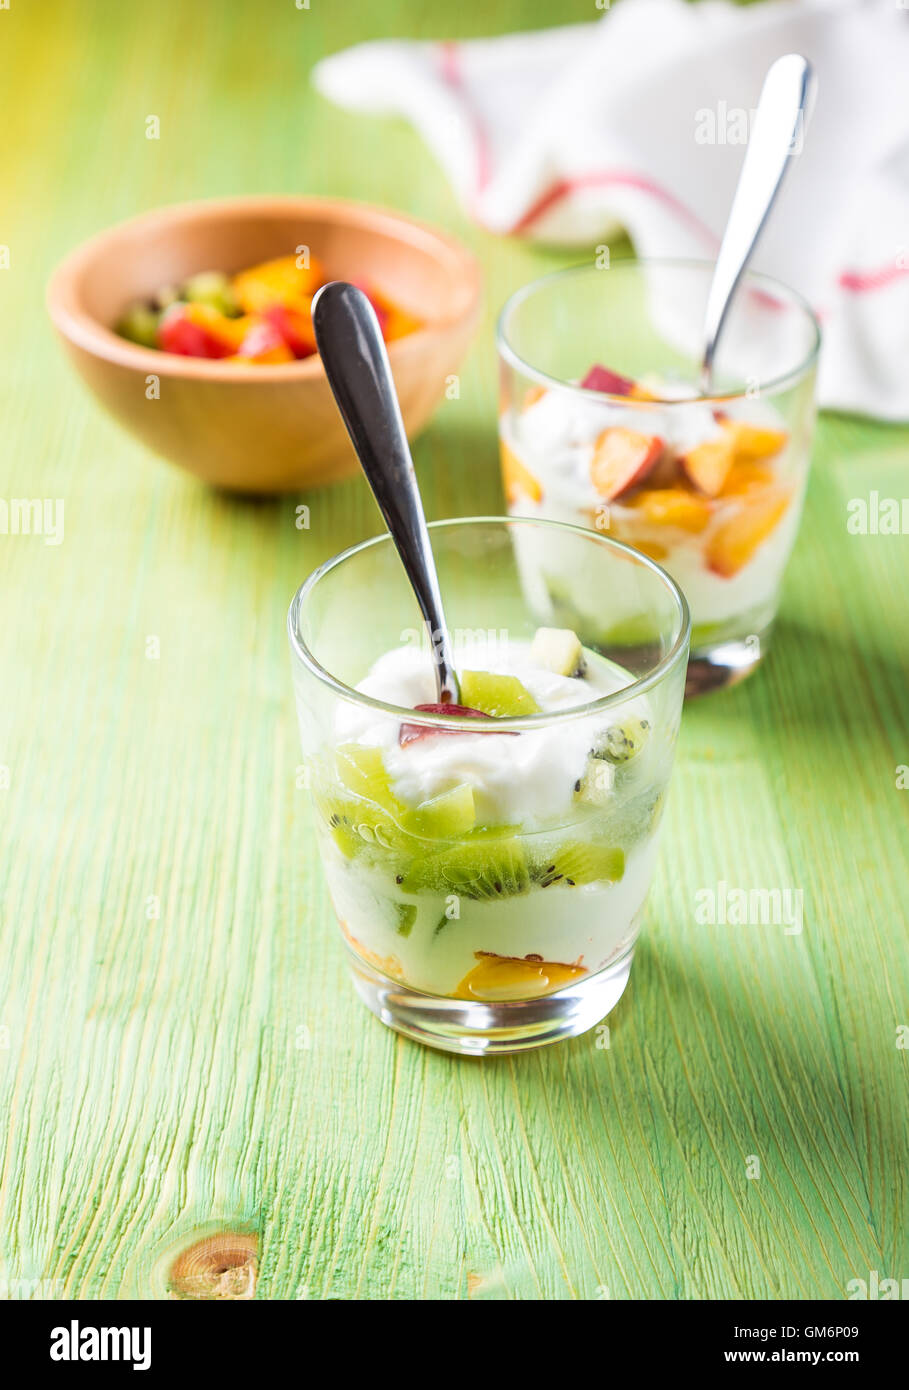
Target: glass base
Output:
[(725, 663), (476, 1029)]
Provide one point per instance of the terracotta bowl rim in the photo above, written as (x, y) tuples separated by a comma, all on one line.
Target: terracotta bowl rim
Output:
[(85, 331)]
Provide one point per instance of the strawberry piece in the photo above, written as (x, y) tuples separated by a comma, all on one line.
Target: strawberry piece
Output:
[(263, 343), (294, 328), (622, 458), (409, 733), (602, 379), (192, 330)]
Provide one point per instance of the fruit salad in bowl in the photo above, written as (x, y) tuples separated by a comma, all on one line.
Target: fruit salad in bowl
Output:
[(488, 861), (262, 314), (710, 487)]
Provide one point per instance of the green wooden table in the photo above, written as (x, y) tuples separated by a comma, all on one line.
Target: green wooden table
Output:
[(180, 1050)]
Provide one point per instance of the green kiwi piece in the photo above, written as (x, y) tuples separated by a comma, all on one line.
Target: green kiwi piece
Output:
[(480, 867), (407, 915), (580, 861), (624, 741)]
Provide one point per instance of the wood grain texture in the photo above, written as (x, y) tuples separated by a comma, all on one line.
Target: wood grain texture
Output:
[(180, 1049)]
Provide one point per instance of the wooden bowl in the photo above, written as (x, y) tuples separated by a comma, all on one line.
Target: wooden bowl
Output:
[(257, 428)]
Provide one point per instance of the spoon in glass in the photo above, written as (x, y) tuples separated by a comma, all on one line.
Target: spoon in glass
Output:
[(353, 354), (779, 121)]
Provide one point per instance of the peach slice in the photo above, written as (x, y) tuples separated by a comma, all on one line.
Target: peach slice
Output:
[(673, 506), (519, 481), (735, 540), (622, 458), (751, 442), (515, 977), (708, 464), (747, 478)]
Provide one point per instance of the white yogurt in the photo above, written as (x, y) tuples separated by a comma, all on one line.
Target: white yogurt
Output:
[(527, 779)]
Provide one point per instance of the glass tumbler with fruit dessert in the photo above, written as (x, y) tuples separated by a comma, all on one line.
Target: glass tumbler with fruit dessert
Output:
[(602, 424), (488, 861)]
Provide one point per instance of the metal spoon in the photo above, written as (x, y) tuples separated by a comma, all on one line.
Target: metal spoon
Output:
[(783, 106), (353, 354)]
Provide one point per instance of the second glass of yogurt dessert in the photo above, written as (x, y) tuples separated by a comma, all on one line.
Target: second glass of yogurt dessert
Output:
[(488, 862), (602, 423)]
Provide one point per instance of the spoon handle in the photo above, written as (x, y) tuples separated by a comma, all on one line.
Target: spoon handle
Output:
[(353, 354), (781, 111)]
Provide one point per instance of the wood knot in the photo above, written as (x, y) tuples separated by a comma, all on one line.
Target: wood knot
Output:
[(223, 1266)]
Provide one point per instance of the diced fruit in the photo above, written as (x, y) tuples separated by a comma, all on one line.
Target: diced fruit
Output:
[(595, 788), (672, 506), (735, 540), (503, 697), (263, 343), (293, 327), (407, 915), (359, 826), (166, 296), (558, 649), (518, 481), (409, 733), (281, 281), (748, 477), (444, 817), (197, 330), (361, 768), (602, 379), (510, 977), (140, 325), (583, 861), (751, 442), (708, 464), (212, 287), (622, 459), (624, 741), (481, 868), (394, 321), (641, 393), (653, 549), (532, 395)]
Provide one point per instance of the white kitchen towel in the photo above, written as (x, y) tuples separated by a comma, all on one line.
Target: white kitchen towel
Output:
[(639, 119)]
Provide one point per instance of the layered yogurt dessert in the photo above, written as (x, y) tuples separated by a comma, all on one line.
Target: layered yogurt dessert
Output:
[(492, 864), (713, 495)]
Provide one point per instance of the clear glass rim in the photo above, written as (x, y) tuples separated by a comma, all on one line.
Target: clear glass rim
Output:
[(755, 279), (525, 722)]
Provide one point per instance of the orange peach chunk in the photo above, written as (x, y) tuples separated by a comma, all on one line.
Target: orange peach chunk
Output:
[(519, 481), (281, 281), (750, 442), (735, 540), (513, 977), (747, 478), (673, 506), (622, 458), (708, 464)]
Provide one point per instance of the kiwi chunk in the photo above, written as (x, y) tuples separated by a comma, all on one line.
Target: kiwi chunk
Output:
[(140, 325), (444, 817), (558, 649), (581, 861), (622, 742), (503, 697), (481, 868), (407, 915), (212, 287)]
